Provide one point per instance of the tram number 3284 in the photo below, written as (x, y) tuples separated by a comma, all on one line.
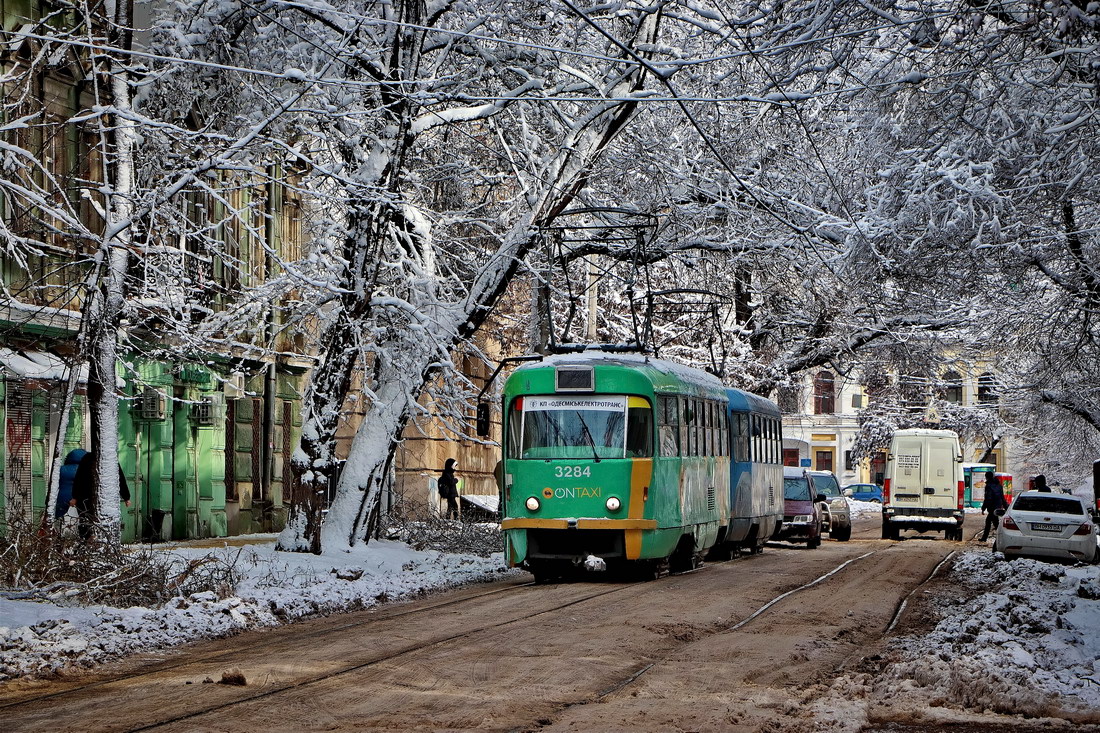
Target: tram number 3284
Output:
[(572, 471)]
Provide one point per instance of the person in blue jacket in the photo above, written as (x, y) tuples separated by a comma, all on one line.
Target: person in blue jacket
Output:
[(65, 485)]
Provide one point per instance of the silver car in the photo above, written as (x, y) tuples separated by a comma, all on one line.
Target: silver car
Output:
[(1043, 524), (836, 514)]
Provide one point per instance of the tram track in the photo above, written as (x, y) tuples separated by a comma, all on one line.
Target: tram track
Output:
[(638, 673), (382, 615), (652, 665), (408, 649)]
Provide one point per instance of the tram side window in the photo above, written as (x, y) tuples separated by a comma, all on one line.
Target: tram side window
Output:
[(715, 450), (740, 449), (760, 454), (639, 429), (704, 426), (723, 431), (734, 436), (690, 417), (779, 442), (706, 429), (775, 441), (669, 426), (754, 433), (701, 428), (692, 428), (684, 449), (719, 420), (765, 440), (515, 425), (771, 440)]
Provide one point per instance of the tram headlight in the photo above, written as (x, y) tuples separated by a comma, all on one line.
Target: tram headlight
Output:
[(532, 504), (613, 504)]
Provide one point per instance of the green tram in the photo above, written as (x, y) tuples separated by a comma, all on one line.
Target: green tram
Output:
[(613, 460)]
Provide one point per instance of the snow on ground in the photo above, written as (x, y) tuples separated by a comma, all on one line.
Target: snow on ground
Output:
[(1025, 645), (864, 507), (873, 507), (43, 638)]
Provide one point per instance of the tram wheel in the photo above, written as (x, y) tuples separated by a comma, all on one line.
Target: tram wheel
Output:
[(545, 571), (684, 556), (646, 570), (721, 552)]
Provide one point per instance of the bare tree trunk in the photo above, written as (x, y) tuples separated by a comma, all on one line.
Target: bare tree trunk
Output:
[(106, 302)]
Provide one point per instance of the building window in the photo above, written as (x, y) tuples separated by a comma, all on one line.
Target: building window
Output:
[(953, 388), (987, 390), (823, 460), (790, 456), (824, 394)]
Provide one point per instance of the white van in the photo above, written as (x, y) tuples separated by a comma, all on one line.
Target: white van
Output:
[(924, 484)]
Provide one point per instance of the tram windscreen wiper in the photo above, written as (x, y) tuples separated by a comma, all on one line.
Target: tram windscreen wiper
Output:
[(588, 436)]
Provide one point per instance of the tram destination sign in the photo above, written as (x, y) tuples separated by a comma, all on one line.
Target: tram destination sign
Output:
[(609, 404)]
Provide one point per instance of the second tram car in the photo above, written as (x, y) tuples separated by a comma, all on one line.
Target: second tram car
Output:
[(613, 456), (756, 473)]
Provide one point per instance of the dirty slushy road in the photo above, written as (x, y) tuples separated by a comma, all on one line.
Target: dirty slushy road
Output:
[(734, 646)]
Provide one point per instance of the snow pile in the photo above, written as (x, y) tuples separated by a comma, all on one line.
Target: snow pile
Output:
[(42, 638), (1028, 645), (864, 507)]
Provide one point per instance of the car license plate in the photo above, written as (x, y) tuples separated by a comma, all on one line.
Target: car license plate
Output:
[(1041, 527)]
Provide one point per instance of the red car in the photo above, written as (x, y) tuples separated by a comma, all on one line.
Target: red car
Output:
[(801, 514)]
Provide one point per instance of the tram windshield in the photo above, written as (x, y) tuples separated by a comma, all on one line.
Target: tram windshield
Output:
[(595, 428)]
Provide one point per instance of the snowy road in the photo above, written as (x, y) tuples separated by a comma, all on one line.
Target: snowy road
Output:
[(682, 653)]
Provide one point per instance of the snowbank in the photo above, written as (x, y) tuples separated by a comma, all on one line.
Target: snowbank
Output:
[(1025, 645), (864, 507), (42, 638)]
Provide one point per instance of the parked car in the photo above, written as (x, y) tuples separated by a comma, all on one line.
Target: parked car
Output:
[(864, 492), (801, 514), (836, 515), (1041, 524)]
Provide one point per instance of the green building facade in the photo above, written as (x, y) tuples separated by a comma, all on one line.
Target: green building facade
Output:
[(201, 457)]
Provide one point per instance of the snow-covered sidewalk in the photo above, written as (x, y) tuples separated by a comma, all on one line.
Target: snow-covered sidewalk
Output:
[(44, 638)]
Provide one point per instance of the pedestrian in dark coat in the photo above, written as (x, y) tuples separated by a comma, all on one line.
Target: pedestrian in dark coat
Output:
[(65, 483), (86, 493), (448, 488), (1041, 484), (994, 500)]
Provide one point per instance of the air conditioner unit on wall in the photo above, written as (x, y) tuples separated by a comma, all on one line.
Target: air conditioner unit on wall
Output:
[(149, 405), (208, 411), (233, 386)]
